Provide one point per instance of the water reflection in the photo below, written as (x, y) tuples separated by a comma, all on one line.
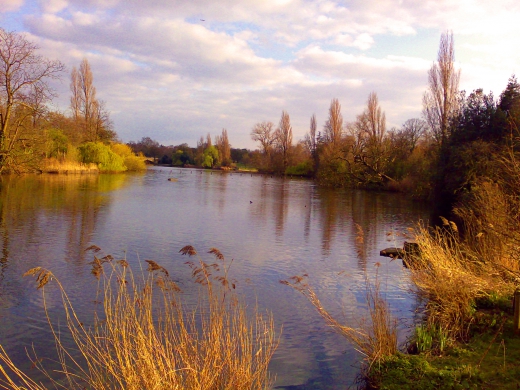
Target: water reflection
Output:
[(291, 227)]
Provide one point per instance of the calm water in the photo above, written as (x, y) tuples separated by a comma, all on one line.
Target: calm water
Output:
[(273, 228)]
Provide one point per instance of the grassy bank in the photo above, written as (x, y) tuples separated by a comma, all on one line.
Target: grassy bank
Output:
[(466, 275), (489, 359)]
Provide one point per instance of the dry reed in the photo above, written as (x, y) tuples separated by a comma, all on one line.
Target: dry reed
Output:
[(147, 339), (53, 165), (375, 338), (455, 269)]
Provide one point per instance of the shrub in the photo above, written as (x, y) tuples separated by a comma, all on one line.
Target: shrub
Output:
[(452, 274), (130, 160), (101, 154), (302, 169), (134, 163)]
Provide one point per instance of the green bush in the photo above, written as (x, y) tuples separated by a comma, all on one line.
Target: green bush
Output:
[(302, 169), (57, 143), (134, 163), (130, 160), (102, 155)]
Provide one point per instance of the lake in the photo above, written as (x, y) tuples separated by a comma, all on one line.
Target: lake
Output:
[(273, 228)]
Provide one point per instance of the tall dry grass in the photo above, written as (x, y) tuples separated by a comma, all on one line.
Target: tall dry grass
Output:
[(374, 337), (146, 338), (454, 270), (53, 165)]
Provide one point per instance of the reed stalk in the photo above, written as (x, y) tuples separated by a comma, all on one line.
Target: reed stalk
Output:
[(455, 270), (146, 338), (374, 337)]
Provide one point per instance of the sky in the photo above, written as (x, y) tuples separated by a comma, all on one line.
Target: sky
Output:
[(176, 70)]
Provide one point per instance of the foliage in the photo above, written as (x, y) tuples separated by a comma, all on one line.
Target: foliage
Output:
[(101, 154), (182, 155), (130, 160), (210, 157), (408, 372), (57, 143), (302, 169), (430, 338), (490, 359), (453, 272), (146, 338), (24, 92)]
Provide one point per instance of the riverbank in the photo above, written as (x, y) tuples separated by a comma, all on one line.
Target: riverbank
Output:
[(466, 281), (489, 359)]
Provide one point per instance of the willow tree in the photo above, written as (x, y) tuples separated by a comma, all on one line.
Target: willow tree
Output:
[(440, 101), (24, 92)]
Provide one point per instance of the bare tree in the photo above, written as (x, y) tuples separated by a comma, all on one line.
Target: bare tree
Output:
[(102, 124), (440, 101), (224, 148), (24, 89), (75, 99), (310, 137), (89, 113), (88, 98), (334, 126), (283, 137), (368, 147), (374, 121), (412, 130), (263, 133)]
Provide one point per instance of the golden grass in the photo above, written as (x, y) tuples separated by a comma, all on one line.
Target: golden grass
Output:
[(454, 270), (147, 339), (374, 337), (52, 165)]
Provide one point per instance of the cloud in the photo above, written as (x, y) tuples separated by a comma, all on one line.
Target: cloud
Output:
[(10, 5), (166, 73), (52, 6)]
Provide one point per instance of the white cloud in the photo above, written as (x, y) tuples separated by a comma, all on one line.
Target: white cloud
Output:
[(52, 6), (167, 74), (364, 41), (10, 5)]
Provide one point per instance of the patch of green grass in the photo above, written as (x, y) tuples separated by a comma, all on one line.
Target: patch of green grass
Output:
[(489, 360), (245, 168)]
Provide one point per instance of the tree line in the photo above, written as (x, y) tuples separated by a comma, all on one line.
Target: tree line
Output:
[(458, 141), (439, 156)]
